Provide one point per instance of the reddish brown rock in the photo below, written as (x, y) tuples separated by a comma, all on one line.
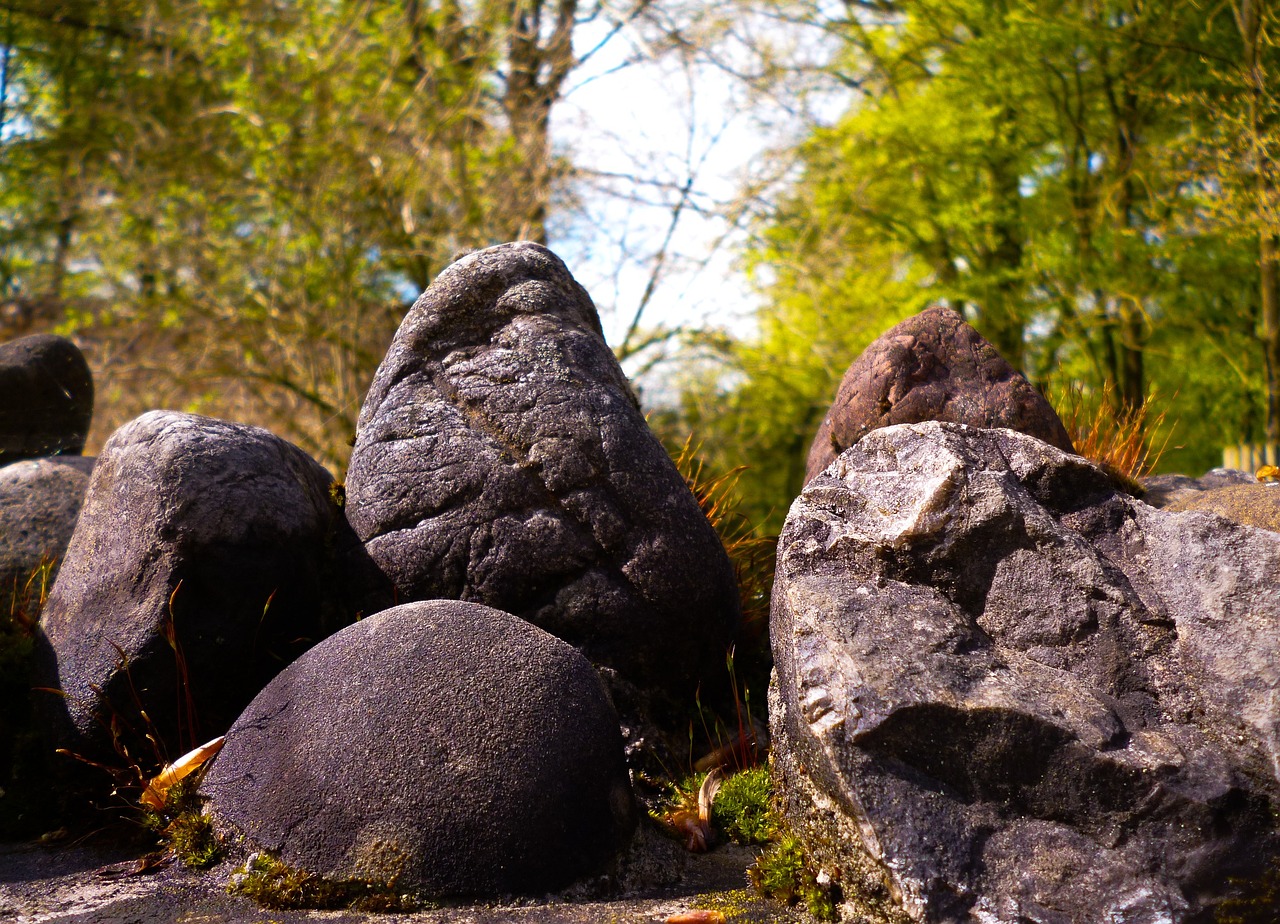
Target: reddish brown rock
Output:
[(932, 366)]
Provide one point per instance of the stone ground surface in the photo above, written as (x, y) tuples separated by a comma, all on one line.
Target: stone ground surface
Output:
[(81, 884)]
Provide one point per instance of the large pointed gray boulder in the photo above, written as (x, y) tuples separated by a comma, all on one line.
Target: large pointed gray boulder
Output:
[(1006, 693), (207, 556), (501, 458), (445, 747)]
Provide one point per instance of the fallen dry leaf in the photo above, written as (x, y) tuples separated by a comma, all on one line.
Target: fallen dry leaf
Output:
[(696, 917), (157, 792)]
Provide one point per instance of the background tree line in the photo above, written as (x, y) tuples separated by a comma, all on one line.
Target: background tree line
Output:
[(232, 203)]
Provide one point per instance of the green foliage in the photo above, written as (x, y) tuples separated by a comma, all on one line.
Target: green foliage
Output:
[(785, 873), (184, 825), (232, 204), (273, 884), (1086, 182), (742, 809)]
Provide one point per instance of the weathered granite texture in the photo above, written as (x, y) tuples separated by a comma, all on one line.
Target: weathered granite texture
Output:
[(501, 458), (1006, 693), (203, 548)]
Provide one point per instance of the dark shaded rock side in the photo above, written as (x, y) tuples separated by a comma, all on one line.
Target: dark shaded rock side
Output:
[(46, 398), (444, 746), (932, 366), (203, 546), (501, 458), (1006, 693)]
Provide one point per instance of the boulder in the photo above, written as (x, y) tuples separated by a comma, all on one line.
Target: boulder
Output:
[(39, 502), (1252, 504), (207, 556), (932, 366), (1005, 692), (442, 746), (501, 458), (1170, 489), (46, 398)]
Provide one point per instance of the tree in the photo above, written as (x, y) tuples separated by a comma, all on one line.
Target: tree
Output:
[(231, 204)]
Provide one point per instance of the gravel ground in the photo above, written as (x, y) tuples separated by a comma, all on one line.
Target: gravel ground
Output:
[(93, 885)]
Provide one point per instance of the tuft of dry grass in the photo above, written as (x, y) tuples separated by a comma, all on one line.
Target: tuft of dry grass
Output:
[(1119, 442), (751, 553)]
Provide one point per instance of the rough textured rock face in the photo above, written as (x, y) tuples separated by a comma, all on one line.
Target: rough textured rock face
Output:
[(1251, 504), (46, 398), (39, 502), (225, 536), (446, 746), (1006, 693), (932, 366), (501, 458), (1168, 490)]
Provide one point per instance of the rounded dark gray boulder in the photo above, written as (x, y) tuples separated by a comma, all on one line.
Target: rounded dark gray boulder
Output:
[(501, 458), (46, 398), (442, 746), (1005, 692), (39, 502), (932, 366), (207, 555)]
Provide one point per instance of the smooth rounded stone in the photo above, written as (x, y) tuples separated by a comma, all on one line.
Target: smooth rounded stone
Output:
[(203, 547), (446, 747), (1170, 489), (39, 502), (501, 458), (1005, 692), (46, 398), (932, 366)]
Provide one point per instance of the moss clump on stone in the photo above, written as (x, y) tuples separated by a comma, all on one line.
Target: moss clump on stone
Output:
[(276, 885), (743, 809), (785, 873), (184, 825)]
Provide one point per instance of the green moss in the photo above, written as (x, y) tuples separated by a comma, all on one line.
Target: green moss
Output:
[(743, 809), (273, 884), (785, 873), (184, 825), (1258, 903)]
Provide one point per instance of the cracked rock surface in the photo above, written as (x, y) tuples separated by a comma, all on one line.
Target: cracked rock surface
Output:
[(501, 458), (1007, 693)]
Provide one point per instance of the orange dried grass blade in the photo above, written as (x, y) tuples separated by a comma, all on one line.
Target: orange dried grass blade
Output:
[(157, 792), (696, 917)]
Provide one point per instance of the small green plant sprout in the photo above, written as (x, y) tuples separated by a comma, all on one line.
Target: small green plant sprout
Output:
[(686, 811), (172, 807), (273, 884), (742, 809), (785, 873)]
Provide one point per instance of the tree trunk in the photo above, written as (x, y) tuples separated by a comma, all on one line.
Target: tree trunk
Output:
[(1249, 18)]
